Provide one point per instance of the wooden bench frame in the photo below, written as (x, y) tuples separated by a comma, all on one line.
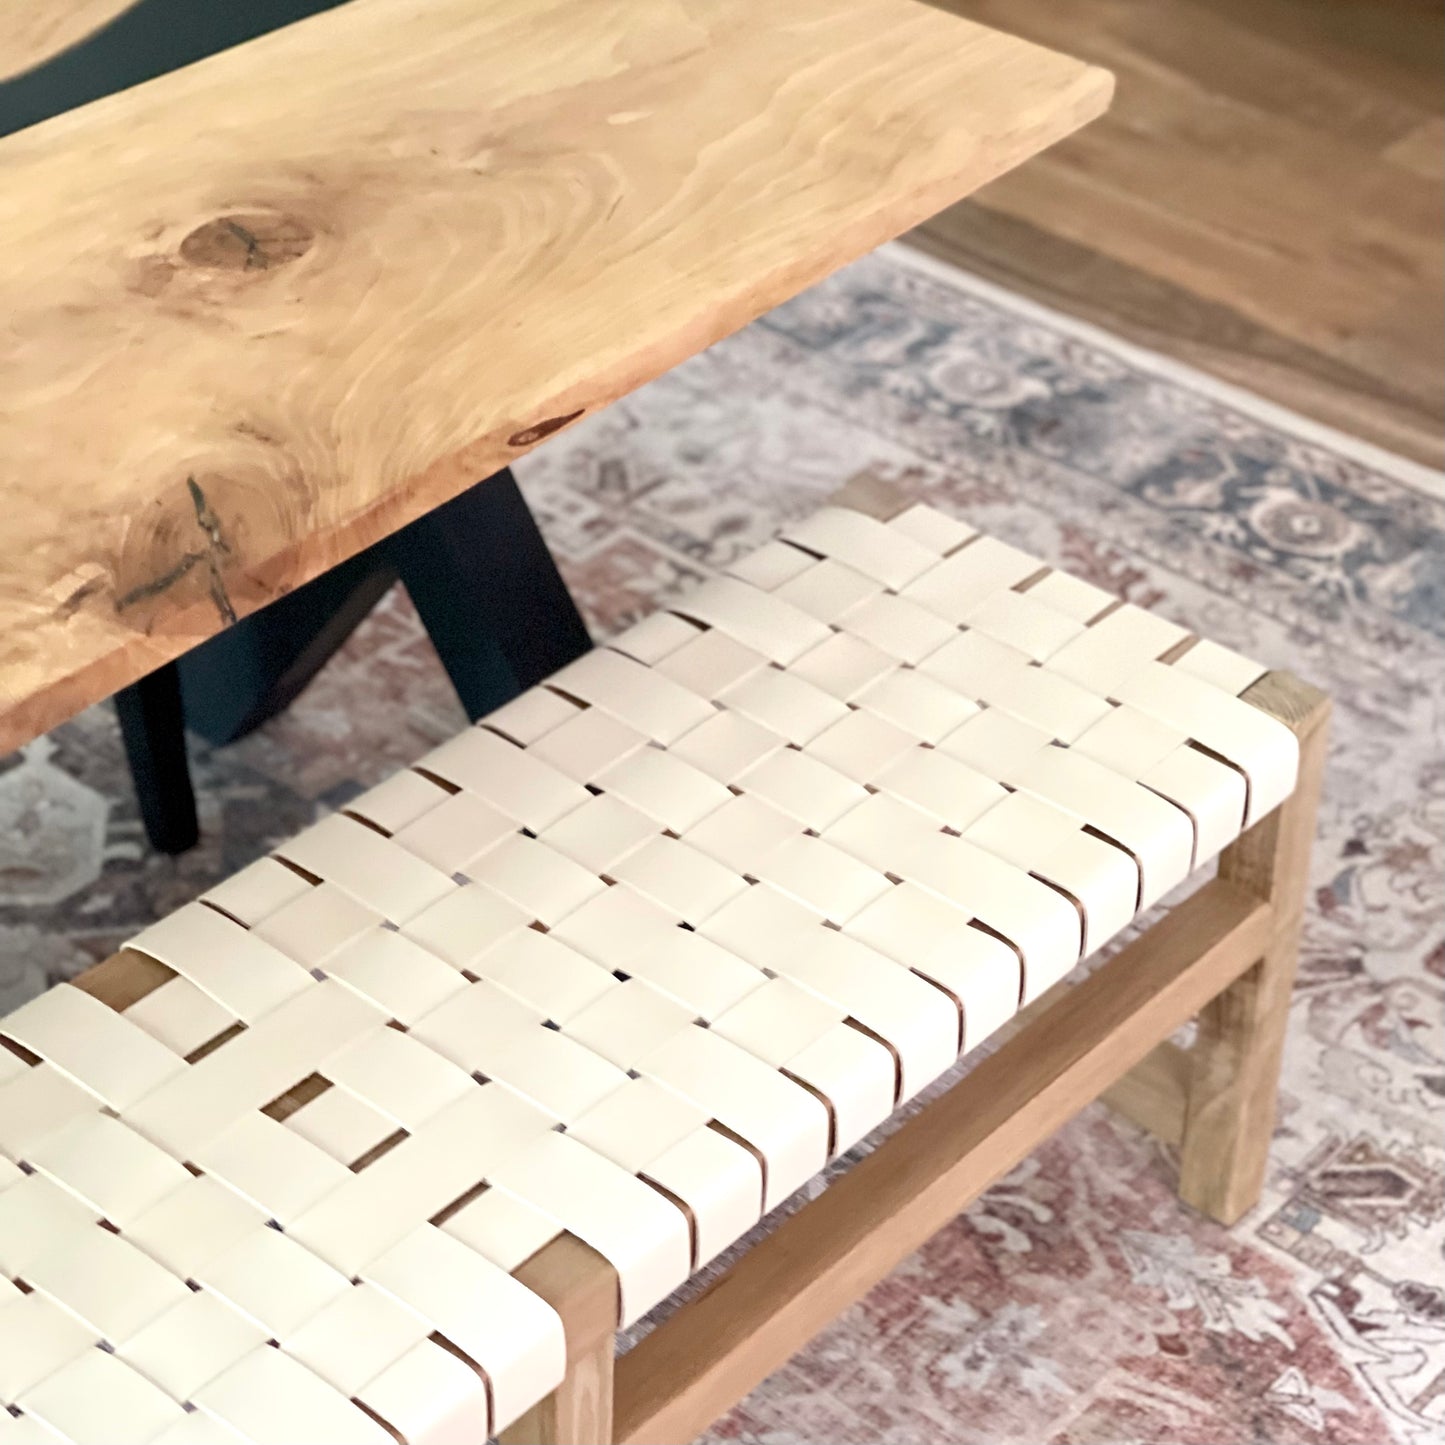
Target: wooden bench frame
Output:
[(1226, 957)]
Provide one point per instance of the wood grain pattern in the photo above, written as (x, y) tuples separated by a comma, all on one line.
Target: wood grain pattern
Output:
[(264, 310), (788, 1286), (31, 31), (583, 1288), (124, 978), (579, 1410), (1234, 1063), (1153, 1093), (1263, 200)]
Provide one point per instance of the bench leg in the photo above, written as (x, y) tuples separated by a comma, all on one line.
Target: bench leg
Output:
[(582, 1287), (1233, 1071), (578, 1411)]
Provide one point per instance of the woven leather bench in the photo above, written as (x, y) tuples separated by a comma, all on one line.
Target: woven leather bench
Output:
[(385, 1137)]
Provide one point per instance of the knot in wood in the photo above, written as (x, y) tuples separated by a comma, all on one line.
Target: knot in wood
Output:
[(530, 436), (247, 242)]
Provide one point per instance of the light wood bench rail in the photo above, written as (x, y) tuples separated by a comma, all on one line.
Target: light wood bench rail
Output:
[(797, 1280)]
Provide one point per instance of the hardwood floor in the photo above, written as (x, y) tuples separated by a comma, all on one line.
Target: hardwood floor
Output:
[(1264, 200)]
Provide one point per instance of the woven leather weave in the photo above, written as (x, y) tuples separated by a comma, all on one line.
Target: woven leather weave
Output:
[(679, 925)]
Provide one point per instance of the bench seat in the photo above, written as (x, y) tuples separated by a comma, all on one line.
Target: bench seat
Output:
[(631, 960)]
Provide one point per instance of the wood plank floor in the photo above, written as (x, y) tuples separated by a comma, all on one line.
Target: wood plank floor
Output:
[(1264, 200)]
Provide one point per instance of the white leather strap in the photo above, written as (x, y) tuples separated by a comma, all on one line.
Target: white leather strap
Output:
[(887, 554)]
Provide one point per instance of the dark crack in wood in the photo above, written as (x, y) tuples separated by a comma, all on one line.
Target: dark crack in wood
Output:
[(159, 584), (216, 548), (70, 605), (256, 258), (531, 435)]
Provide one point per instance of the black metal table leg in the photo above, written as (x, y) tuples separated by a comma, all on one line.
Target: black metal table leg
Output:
[(153, 728), (491, 598), (479, 574), (477, 569), (236, 680)]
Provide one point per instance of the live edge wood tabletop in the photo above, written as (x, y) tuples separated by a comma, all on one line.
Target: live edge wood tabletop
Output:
[(259, 313)]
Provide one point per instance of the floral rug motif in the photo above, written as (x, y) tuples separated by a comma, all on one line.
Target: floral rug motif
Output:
[(1078, 1301)]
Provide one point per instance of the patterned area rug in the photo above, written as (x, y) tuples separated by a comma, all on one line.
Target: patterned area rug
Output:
[(1078, 1300)]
